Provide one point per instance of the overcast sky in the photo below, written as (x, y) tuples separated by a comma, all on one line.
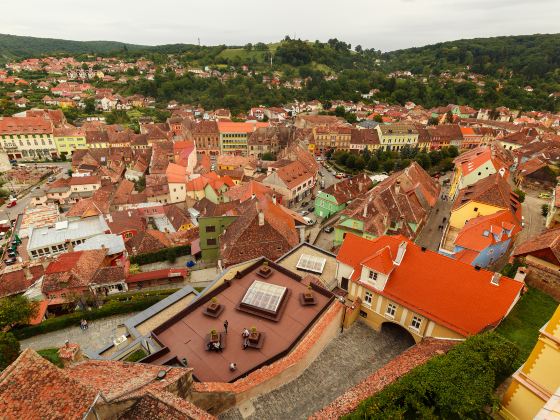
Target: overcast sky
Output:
[(385, 25)]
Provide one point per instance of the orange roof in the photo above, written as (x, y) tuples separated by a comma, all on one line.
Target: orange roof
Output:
[(197, 184), (476, 234), (240, 127), (381, 261), (449, 292), (467, 131), (176, 173)]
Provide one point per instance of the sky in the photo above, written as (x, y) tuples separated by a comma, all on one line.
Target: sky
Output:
[(386, 25)]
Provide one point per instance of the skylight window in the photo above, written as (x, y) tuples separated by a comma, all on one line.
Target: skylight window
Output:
[(265, 296), (311, 263)]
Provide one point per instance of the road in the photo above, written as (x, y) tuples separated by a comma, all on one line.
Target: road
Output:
[(533, 218), (23, 202)]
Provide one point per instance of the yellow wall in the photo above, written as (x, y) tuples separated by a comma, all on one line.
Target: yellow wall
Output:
[(69, 144), (377, 315), (455, 182), (466, 212), (535, 382)]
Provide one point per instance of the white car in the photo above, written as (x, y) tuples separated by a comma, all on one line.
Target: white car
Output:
[(309, 221), (304, 212)]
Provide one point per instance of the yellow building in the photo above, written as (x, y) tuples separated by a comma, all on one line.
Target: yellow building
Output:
[(397, 136), (69, 139), (538, 380), (391, 280), (484, 198)]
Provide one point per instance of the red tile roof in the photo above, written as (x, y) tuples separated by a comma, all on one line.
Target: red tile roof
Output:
[(455, 295), (472, 235)]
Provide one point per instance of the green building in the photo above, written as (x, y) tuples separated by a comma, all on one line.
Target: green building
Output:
[(326, 205), (337, 196), (211, 228)]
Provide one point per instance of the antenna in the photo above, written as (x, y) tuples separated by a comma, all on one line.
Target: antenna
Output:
[(199, 41)]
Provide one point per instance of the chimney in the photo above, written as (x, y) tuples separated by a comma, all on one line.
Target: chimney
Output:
[(253, 196), (274, 198), (360, 186), (496, 279), (27, 272), (397, 186), (261, 218), (400, 253), (364, 214)]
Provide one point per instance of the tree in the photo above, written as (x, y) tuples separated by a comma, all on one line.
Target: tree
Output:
[(9, 349), (373, 164), (16, 310), (340, 111), (520, 194), (545, 209), (90, 106), (433, 121), (378, 118), (248, 47), (358, 49), (268, 156)]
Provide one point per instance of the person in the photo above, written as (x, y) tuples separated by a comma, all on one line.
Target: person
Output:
[(82, 325), (232, 366), (245, 334), (226, 325), (86, 326)]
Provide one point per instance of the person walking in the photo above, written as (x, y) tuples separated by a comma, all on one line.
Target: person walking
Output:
[(226, 323)]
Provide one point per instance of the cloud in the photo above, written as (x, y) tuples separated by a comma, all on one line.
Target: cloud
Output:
[(386, 26)]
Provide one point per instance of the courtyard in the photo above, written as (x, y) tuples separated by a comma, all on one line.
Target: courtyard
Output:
[(346, 361)]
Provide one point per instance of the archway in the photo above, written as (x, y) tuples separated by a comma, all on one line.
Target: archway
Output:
[(398, 334)]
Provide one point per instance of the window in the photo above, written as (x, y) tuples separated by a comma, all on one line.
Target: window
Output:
[(475, 209), (311, 263), (264, 296), (210, 228), (391, 310), (210, 242), (367, 299), (416, 322), (372, 275)]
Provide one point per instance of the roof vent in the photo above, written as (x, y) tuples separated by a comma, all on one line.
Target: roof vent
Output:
[(423, 249), (477, 267), (161, 375)]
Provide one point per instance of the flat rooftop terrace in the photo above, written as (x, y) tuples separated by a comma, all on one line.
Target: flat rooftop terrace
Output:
[(265, 296)]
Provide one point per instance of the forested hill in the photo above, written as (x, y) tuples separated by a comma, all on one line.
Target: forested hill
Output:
[(527, 56), (14, 47)]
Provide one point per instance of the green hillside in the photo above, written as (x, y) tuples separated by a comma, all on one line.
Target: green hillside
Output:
[(527, 56), (12, 46)]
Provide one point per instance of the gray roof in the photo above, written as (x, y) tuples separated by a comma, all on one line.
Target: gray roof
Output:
[(113, 243), (66, 231)]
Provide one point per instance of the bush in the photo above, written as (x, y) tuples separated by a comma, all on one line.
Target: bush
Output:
[(113, 306), (521, 194), (136, 355), (52, 356), (9, 349), (169, 254), (545, 209), (459, 384)]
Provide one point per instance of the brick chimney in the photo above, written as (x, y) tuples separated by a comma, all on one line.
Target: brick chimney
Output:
[(261, 218)]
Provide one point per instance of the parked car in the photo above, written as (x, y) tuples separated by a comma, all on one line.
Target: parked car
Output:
[(328, 229), (546, 196), (339, 175), (10, 261), (309, 221), (304, 212), (311, 209), (12, 203), (51, 178), (12, 254), (305, 203)]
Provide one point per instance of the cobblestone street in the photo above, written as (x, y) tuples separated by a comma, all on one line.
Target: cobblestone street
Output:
[(346, 361), (99, 333)]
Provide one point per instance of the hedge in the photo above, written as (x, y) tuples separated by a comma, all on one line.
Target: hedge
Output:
[(459, 384), (169, 254), (112, 307)]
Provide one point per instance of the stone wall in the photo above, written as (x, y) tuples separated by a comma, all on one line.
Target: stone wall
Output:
[(216, 397), (399, 366), (543, 276)]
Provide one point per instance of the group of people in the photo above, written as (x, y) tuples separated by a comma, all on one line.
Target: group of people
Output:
[(84, 325)]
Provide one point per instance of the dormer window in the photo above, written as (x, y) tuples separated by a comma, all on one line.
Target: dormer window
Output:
[(372, 275)]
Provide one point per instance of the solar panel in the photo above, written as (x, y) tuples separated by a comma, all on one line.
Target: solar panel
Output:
[(264, 296), (311, 263)]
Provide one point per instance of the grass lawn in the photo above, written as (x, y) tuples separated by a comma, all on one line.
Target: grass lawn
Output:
[(523, 323), (51, 355)]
